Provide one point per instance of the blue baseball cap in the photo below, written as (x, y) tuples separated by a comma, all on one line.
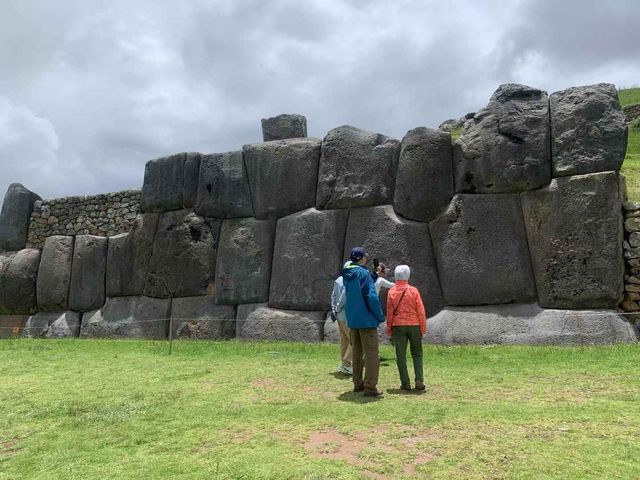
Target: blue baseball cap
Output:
[(357, 253)]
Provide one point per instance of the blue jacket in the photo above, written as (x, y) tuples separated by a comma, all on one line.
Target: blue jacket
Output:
[(363, 305)]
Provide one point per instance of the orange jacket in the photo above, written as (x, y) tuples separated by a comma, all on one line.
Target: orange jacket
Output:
[(409, 309)]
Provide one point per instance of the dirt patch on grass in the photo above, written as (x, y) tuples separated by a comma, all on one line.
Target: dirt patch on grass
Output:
[(9, 447)]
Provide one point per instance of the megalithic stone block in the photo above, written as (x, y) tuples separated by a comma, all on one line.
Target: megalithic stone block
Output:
[(259, 322), (505, 147), (282, 175), (53, 325), (424, 185), (589, 133), (223, 187), (243, 267), (183, 261), (18, 272), (307, 258), (575, 235), (481, 250), (199, 318), (87, 290), (396, 241), (163, 184), (15, 216), (12, 325), (190, 179), (527, 324), (54, 274), (357, 169), (128, 317), (129, 256), (286, 125)]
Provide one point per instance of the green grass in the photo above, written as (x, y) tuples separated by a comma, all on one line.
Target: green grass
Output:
[(127, 410), (631, 165)]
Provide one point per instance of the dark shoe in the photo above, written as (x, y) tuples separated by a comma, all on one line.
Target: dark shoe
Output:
[(420, 386), (405, 387), (373, 393), (358, 388)]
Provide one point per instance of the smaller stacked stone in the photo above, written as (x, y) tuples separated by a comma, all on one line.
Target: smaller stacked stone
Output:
[(631, 112), (107, 214), (631, 300)]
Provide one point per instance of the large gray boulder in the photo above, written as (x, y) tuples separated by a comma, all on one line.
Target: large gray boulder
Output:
[(286, 125), (190, 179), (223, 188), (128, 317), (15, 217), (307, 258), (54, 274), (184, 256), (357, 169), (87, 289), (589, 130), (53, 325), (163, 184), (12, 325), (129, 256), (575, 236), (18, 272), (282, 175), (424, 185), (395, 241), (481, 250), (199, 318), (243, 267), (259, 322), (505, 146), (527, 324)]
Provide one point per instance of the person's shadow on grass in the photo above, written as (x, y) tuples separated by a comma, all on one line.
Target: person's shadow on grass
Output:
[(357, 397)]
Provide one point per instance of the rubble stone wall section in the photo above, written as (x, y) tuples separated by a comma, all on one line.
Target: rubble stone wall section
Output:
[(521, 218)]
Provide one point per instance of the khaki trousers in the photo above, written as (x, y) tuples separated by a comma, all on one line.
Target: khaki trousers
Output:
[(346, 352), (365, 346)]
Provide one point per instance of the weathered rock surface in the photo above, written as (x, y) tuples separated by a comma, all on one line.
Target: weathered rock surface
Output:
[(395, 241), (589, 130), (54, 274), (128, 317), (243, 268), (18, 272), (223, 187), (527, 324), (574, 228), (505, 146), (201, 319), (286, 125), (53, 325), (129, 255), (259, 322), (87, 289), (424, 185), (282, 175), (332, 335), (12, 325), (190, 183), (184, 256), (357, 169), (307, 258), (481, 251), (163, 184), (14, 218)]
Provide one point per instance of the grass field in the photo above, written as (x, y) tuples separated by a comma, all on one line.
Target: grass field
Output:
[(631, 166), (127, 410)]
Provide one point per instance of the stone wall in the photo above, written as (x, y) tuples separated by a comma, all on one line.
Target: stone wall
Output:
[(631, 112), (517, 222), (106, 214)]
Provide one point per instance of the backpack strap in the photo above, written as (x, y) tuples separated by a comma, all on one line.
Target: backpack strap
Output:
[(395, 310)]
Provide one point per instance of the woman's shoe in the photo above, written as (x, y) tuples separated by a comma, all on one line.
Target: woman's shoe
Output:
[(420, 386), (406, 387)]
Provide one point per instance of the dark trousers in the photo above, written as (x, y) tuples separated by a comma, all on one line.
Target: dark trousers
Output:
[(401, 336), (365, 347)]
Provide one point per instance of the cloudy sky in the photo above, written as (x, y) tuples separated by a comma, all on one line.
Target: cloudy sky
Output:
[(92, 89)]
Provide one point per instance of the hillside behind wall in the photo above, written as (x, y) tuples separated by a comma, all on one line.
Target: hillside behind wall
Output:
[(513, 232)]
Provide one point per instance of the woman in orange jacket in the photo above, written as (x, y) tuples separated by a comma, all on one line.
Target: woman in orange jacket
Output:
[(406, 323)]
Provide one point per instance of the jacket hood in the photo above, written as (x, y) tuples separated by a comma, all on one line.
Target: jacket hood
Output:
[(351, 272)]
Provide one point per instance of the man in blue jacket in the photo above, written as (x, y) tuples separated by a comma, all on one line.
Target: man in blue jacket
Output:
[(364, 314)]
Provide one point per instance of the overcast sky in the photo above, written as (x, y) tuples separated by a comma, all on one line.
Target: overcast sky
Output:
[(92, 89)]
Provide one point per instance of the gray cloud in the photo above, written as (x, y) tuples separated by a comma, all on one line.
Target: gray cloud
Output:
[(90, 90)]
